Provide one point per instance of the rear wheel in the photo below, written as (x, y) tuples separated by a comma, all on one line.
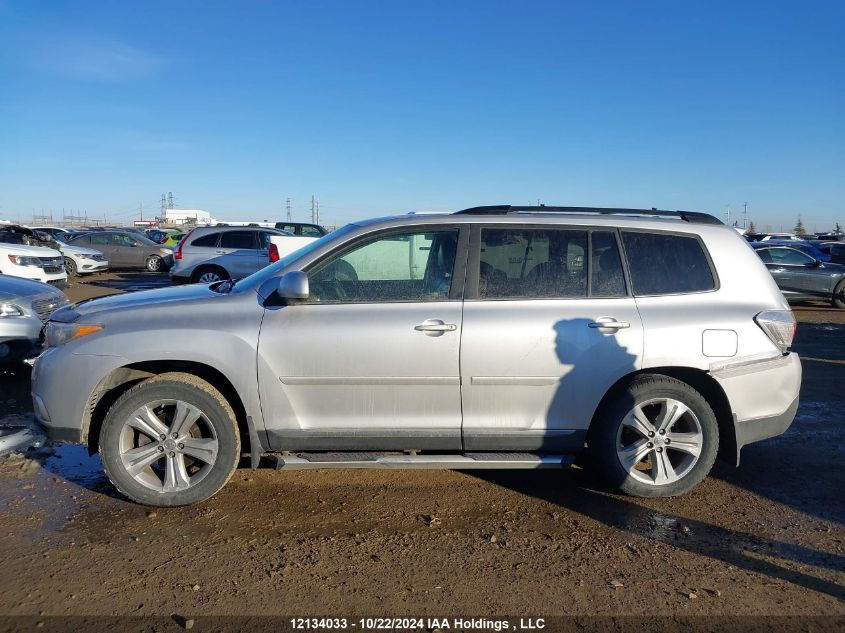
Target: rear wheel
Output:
[(839, 295), (171, 440), (657, 437), (209, 275), (70, 267), (154, 263)]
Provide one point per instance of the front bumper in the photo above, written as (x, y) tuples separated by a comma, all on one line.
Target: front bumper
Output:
[(763, 395), (87, 266), (20, 337)]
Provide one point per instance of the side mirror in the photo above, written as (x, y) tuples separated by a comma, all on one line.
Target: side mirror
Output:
[(293, 285), (816, 263)]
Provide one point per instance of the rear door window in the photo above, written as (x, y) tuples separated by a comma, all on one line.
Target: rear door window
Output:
[(606, 276), (532, 263), (664, 264), (238, 239)]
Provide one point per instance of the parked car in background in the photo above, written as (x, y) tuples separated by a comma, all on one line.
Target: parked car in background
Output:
[(58, 232), (830, 237), (806, 247), (82, 261), (303, 229), (801, 277), (126, 250), (78, 260), (283, 245), (496, 337), (159, 236), (25, 306), (778, 236), (214, 253), (32, 262), (173, 240), (834, 250)]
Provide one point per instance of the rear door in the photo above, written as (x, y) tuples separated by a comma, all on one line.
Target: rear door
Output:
[(549, 326), (238, 252)]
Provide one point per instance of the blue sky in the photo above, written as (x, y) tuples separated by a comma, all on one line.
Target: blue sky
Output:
[(379, 107)]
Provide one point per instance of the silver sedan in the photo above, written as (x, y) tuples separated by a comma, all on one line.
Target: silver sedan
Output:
[(25, 306)]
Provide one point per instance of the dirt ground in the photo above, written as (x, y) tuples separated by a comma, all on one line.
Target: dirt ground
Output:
[(765, 539)]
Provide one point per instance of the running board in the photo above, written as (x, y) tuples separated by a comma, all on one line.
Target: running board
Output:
[(303, 461)]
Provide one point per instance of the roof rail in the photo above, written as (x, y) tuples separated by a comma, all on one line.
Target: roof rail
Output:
[(694, 217)]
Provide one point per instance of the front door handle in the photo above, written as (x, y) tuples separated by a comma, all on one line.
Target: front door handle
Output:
[(609, 323), (435, 327)]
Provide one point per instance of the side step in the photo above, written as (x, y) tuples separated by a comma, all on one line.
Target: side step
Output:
[(303, 461)]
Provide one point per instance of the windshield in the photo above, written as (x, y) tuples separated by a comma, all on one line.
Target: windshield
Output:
[(255, 280)]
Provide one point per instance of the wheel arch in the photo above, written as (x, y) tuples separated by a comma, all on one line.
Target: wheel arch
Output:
[(119, 380), (198, 270), (702, 382)]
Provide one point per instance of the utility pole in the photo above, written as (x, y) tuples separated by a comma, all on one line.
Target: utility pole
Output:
[(289, 217), (169, 199), (141, 209), (313, 209), (728, 215), (163, 205), (745, 215)]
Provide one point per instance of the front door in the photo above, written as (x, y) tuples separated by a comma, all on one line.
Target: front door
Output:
[(548, 328), (370, 360)]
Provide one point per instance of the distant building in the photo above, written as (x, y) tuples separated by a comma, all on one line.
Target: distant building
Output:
[(186, 216)]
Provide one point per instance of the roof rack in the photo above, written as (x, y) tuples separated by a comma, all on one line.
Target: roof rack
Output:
[(694, 217)]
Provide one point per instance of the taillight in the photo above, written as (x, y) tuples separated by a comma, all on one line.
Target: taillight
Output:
[(182, 242), (779, 326), (273, 251)]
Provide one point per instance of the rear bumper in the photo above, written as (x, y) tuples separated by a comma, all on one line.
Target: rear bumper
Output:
[(748, 431), (763, 395)]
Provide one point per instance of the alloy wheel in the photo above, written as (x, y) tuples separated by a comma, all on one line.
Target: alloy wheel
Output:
[(659, 441), (168, 445), (209, 277)]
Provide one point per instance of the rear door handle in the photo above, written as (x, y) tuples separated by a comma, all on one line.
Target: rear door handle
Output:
[(609, 323), (435, 327)]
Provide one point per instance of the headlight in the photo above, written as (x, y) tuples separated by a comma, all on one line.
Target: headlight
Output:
[(10, 310), (165, 251), (84, 255), (60, 333), (22, 260)]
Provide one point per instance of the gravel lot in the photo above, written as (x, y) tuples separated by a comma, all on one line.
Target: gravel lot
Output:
[(765, 539)]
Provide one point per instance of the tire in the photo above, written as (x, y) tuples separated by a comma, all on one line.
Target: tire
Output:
[(70, 267), (154, 264), (209, 275), (175, 471), (656, 464), (838, 300)]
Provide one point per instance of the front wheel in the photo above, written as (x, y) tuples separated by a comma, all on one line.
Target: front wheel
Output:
[(839, 295), (657, 437), (171, 440), (154, 264), (70, 267)]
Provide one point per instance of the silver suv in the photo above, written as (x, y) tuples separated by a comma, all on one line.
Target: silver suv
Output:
[(214, 253), (495, 337)]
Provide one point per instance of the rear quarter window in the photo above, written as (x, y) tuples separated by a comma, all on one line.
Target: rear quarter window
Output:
[(663, 264)]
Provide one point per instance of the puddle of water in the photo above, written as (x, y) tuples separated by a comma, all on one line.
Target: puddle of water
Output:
[(73, 463)]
